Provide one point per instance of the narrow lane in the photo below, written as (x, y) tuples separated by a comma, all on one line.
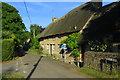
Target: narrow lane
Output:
[(48, 68), (35, 66)]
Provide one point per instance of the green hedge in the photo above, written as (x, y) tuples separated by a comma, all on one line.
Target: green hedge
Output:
[(7, 49)]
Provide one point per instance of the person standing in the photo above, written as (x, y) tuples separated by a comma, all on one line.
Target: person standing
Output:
[(64, 48)]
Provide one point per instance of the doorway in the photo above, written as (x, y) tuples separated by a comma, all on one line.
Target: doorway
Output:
[(51, 49)]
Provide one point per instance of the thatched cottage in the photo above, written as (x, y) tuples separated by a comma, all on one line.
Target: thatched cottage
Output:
[(72, 22)]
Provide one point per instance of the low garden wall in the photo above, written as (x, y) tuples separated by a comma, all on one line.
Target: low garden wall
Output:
[(103, 61)]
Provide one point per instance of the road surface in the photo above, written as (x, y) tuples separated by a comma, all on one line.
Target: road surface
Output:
[(36, 66)]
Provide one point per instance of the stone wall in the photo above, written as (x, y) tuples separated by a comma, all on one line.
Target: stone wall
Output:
[(52, 44), (102, 61)]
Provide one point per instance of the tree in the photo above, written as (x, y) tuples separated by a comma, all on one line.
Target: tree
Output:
[(12, 23), (35, 30), (11, 20)]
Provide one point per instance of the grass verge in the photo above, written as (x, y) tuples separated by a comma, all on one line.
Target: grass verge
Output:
[(12, 77), (35, 51), (97, 74)]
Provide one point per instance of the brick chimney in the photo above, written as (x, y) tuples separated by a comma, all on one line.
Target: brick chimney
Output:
[(54, 19)]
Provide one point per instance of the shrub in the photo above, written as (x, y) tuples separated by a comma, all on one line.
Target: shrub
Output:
[(7, 49), (75, 52), (72, 43), (98, 46), (35, 43)]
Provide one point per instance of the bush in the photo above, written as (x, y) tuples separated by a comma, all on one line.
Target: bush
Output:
[(7, 49), (72, 43), (35, 43), (75, 52), (98, 46)]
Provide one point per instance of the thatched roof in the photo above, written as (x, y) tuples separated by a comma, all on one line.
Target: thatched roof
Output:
[(72, 21), (105, 26)]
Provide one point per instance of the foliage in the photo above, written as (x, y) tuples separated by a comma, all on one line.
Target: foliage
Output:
[(26, 45), (12, 77), (97, 46), (35, 43), (72, 43), (12, 25), (96, 74), (7, 35), (14, 32), (8, 46), (75, 52), (35, 30), (11, 20), (35, 51), (24, 36)]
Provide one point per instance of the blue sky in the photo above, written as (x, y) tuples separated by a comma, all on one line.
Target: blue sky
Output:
[(41, 13)]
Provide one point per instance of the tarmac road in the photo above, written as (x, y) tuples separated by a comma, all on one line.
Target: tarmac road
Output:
[(36, 66)]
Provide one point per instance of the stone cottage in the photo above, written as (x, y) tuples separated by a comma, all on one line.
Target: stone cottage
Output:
[(72, 22)]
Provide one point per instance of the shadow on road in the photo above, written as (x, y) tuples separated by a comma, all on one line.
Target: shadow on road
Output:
[(28, 77)]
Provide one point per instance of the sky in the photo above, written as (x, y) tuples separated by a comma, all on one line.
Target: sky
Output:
[(41, 13)]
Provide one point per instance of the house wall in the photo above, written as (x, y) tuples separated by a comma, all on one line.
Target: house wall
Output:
[(52, 45)]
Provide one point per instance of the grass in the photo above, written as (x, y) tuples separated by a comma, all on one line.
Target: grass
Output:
[(12, 77), (35, 51), (96, 74)]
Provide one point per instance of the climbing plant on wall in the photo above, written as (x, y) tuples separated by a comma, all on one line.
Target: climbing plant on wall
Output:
[(72, 43)]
